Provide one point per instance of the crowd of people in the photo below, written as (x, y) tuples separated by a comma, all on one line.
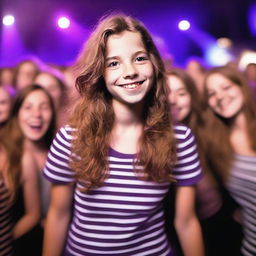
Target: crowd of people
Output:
[(124, 154)]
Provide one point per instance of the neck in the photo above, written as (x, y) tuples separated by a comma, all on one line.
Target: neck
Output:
[(128, 115), (33, 146), (239, 122)]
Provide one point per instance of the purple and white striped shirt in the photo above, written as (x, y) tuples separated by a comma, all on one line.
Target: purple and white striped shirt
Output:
[(125, 215)]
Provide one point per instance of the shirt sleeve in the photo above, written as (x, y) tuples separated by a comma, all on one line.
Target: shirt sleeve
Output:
[(187, 170), (57, 169)]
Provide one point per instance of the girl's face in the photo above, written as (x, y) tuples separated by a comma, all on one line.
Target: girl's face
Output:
[(224, 97), (26, 74), (179, 98), (5, 105), (35, 115), (129, 73), (52, 86)]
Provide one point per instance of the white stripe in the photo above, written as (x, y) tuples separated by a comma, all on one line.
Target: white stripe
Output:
[(187, 151), (187, 176), (113, 206), (190, 167), (136, 198), (57, 177)]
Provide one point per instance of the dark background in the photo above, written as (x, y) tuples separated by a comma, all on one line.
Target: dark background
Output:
[(35, 22)]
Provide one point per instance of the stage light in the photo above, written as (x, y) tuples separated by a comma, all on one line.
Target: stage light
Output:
[(63, 22), (246, 58), (224, 42), (217, 56), (8, 20), (184, 25)]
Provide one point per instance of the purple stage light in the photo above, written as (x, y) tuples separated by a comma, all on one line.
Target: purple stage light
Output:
[(184, 25), (63, 22), (8, 20)]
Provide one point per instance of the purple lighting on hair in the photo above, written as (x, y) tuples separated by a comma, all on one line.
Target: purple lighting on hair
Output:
[(8, 20), (63, 22), (184, 25)]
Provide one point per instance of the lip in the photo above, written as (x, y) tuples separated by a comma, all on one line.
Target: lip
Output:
[(132, 85)]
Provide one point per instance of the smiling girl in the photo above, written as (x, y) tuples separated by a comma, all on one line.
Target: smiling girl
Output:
[(231, 100), (112, 166), (24, 145)]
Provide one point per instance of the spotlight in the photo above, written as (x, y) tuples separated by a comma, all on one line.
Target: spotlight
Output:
[(184, 25), (8, 20), (63, 22)]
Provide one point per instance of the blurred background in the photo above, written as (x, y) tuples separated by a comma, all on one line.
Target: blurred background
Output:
[(216, 31)]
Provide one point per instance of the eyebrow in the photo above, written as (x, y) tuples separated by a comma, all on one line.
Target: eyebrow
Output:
[(133, 55)]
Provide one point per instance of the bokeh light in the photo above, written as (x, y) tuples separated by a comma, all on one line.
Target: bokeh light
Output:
[(63, 22), (8, 20), (184, 25)]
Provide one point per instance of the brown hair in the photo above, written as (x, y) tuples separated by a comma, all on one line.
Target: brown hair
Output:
[(11, 138), (198, 117), (220, 131), (93, 116)]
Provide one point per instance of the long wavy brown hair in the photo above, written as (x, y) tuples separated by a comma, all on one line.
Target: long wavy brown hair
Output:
[(12, 139), (221, 151), (93, 116)]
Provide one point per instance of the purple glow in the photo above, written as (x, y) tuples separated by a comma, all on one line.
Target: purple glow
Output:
[(63, 22), (252, 19), (184, 25), (8, 20)]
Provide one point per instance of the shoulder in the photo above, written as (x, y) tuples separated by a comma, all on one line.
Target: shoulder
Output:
[(182, 133), (29, 166)]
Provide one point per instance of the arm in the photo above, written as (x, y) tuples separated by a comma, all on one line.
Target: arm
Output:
[(58, 219), (186, 222), (31, 196)]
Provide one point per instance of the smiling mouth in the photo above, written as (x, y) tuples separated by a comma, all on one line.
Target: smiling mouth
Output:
[(133, 85)]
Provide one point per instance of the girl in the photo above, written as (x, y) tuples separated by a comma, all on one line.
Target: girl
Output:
[(187, 107), (53, 82), (24, 143), (119, 154), (231, 100), (7, 94)]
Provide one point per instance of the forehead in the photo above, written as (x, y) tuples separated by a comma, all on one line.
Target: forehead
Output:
[(37, 96), (126, 41), (216, 79), (175, 82)]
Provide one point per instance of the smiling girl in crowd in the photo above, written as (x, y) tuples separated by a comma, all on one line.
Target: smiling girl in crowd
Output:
[(112, 166), (234, 145), (24, 145), (187, 107)]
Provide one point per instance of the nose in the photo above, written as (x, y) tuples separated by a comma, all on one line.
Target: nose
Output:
[(130, 71), (36, 112), (172, 98)]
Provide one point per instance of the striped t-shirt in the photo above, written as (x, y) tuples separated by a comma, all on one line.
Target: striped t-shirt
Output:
[(242, 187), (6, 222), (125, 215)]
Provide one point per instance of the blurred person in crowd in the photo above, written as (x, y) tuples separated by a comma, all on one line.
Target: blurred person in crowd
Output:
[(53, 81), (233, 146), (113, 164), (7, 94), (196, 70), (24, 142), (186, 106), (250, 74), (6, 75), (25, 72)]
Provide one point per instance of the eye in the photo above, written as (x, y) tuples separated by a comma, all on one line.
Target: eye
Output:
[(226, 87), (112, 64), (141, 58)]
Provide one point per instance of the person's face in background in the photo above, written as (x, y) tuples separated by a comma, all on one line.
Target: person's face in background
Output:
[(51, 84), (129, 72), (5, 105), (224, 97), (25, 76), (178, 97), (35, 115)]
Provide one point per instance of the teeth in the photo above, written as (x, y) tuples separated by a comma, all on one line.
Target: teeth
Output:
[(131, 86)]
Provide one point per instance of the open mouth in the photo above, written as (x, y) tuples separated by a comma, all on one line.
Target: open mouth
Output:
[(133, 85), (36, 127)]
